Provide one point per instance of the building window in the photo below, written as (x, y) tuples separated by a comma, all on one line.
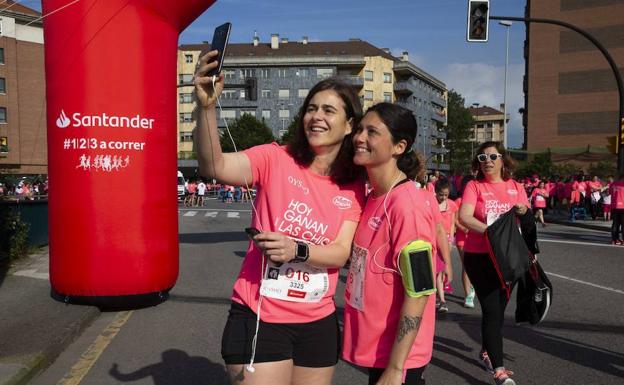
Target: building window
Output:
[(324, 73), (266, 114), (247, 73), (186, 136), (368, 95), (283, 94), (281, 72), (263, 73), (303, 72), (184, 97), (387, 77), (248, 112), (188, 58), (186, 117), (242, 94), (229, 74), (284, 114), (2, 86), (186, 78), (388, 97), (302, 92), (3, 115), (265, 94), (228, 114), (368, 75), (229, 94), (1, 55)]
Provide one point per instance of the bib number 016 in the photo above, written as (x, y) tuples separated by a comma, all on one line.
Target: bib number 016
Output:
[(298, 275)]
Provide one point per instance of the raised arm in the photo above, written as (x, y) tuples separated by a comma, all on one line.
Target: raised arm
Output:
[(228, 168)]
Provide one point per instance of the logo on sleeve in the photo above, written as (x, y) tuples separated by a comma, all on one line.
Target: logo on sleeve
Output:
[(342, 203), (512, 192), (374, 223)]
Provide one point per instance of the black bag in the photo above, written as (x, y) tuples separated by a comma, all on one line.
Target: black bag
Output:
[(534, 295)]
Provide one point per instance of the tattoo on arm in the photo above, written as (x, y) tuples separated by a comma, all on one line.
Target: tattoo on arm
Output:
[(406, 325)]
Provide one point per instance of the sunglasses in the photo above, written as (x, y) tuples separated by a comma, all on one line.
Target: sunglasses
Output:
[(484, 157)]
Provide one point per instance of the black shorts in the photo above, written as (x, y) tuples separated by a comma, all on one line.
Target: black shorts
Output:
[(313, 344), (414, 376)]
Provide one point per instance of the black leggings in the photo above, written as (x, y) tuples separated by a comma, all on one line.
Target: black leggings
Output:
[(617, 215), (414, 376), (493, 300)]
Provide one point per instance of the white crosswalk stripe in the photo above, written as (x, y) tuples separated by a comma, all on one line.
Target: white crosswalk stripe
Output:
[(211, 214), (190, 213), (233, 214)]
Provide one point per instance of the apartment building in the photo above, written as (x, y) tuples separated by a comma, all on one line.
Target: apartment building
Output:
[(488, 125), (286, 70), (23, 139), (571, 98)]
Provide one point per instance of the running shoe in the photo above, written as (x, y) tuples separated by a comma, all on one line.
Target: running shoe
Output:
[(443, 308), (501, 377), (485, 362)]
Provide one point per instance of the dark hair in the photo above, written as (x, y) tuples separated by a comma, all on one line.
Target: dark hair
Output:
[(509, 165), (442, 184), (342, 169), (464, 182), (402, 125)]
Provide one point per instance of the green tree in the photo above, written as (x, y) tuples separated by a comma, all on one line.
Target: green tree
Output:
[(458, 132), (247, 131), (291, 129)]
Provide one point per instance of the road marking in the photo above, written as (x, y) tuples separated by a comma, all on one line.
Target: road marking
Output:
[(32, 273), (577, 243), (190, 213), (207, 209), (212, 214), (586, 283), (81, 368), (233, 214)]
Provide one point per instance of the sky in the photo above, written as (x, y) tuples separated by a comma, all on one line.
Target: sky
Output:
[(432, 31)]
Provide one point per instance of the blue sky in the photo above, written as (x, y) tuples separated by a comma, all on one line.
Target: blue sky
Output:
[(432, 31)]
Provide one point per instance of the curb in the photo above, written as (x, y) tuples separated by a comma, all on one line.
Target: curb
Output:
[(566, 222), (45, 358)]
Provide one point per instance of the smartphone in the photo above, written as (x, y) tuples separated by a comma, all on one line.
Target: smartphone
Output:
[(252, 232), (219, 42)]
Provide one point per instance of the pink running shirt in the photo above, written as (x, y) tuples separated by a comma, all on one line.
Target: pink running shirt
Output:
[(617, 194), (303, 205), (538, 197), (448, 217), (490, 200), (370, 332)]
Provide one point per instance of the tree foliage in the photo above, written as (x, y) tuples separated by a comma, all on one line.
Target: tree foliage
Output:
[(291, 129), (247, 131), (458, 131)]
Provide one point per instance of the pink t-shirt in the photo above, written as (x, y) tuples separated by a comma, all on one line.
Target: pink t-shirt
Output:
[(538, 197), (579, 186), (448, 216), (303, 205), (460, 236), (490, 200), (617, 194), (370, 332)]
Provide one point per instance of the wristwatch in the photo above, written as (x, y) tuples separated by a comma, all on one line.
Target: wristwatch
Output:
[(302, 253)]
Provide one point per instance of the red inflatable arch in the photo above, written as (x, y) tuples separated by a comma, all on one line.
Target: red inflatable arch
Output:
[(111, 114)]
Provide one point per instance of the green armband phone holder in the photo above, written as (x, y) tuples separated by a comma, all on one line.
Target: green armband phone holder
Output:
[(417, 273)]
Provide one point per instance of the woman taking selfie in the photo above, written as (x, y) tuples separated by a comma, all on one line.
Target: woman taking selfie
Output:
[(484, 200), (282, 326), (389, 327)]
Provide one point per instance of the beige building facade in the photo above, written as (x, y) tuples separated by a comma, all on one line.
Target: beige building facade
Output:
[(488, 125)]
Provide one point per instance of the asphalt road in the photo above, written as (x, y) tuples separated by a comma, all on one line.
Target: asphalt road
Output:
[(178, 342)]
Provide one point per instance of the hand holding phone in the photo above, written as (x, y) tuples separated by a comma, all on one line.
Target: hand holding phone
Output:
[(252, 232)]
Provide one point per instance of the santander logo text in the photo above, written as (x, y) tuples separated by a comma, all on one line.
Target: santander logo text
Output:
[(103, 120), (341, 202)]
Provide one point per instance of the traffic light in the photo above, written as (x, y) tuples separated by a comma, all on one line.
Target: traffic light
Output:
[(251, 89), (478, 20), (613, 144)]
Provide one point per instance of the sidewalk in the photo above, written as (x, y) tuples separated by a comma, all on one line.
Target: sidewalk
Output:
[(34, 328), (564, 219)]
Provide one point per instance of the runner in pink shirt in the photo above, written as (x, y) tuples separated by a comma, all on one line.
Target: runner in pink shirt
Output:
[(448, 211), (539, 197), (308, 203), (484, 200), (617, 210), (460, 241), (386, 328)]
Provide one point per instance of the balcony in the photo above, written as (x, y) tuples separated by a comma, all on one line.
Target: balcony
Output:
[(438, 134), (439, 116), (409, 106), (438, 100), (4, 151), (404, 87)]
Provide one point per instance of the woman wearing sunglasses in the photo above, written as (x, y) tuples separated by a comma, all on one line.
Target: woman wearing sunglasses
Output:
[(484, 200)]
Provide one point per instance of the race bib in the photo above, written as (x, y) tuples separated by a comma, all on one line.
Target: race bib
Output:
[(295, 282), (539, 198), (355, 279), (492, 217)]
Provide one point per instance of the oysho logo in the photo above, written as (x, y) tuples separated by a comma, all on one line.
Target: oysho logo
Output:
[(62, 121), (103, 120), (341, 202)]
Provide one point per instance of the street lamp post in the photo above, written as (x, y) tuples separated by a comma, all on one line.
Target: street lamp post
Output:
[(476, 127), (506, 24)]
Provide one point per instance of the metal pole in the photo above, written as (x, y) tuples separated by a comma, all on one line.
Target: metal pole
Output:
[(505, 89), (619, 139)]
